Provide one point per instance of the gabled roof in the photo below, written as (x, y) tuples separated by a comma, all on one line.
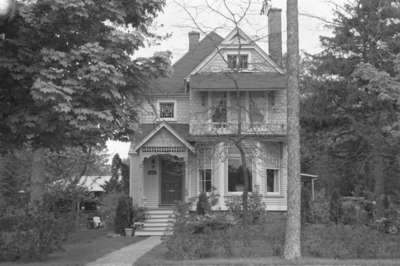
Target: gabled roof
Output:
[(227, 43), (155, 131), (245, 80), (175, 84)]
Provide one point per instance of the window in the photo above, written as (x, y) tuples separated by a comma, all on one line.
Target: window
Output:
[(167, 110), (272, 181), (243, 62), (235, 61), (235, 172), (257, 104), (232, 61), (205, 180), (219, 101)]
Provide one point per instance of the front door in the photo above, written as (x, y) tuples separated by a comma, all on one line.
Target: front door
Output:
[(172, 173)]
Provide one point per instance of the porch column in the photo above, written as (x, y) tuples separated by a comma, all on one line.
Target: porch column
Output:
[(137, 180), (220, 173)]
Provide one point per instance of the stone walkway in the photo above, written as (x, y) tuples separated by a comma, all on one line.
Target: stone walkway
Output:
[(127, 255)]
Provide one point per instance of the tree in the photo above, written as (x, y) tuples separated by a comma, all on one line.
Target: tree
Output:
[(115, 183), (68, 78), (292, 248), (353, 103)]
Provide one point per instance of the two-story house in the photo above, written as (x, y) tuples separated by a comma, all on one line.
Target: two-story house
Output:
[(184, 145)]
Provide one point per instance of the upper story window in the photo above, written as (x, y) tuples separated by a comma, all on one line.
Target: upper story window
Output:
[(235, 61), (167, 110), (257, 104), (219, 108)]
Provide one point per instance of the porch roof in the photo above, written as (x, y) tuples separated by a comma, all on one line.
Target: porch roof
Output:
[(245, 81), (147, 131)]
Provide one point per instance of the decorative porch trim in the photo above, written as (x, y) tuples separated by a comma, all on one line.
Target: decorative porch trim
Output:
[(171, 130), (163, 149)]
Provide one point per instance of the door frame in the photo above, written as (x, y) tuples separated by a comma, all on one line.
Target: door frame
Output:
[(182, 181)]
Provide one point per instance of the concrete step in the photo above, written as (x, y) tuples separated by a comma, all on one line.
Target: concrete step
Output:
[(160, 220), (150, 225), (160, 212), (159, 216), (152, 233)]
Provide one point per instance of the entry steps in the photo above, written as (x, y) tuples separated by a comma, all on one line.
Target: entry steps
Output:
[(158, 222)]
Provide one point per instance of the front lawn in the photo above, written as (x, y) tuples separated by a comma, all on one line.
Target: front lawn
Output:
[(321, 245), (157, 257), (83, 247)]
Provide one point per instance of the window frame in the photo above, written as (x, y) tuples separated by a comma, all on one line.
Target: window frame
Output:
[(174, 118), (200, 183), (278, 182), (249, 165), (238, 61)]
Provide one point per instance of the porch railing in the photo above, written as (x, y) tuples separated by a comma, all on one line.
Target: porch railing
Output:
[(226, 128)]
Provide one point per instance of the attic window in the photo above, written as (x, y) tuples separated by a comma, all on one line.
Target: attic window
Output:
[(234, 60), (167, 110)]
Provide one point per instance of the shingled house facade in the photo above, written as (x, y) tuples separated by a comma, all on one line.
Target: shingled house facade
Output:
[(185, 130)]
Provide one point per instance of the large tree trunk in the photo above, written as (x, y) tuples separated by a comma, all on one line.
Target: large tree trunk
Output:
[(37, 175), (292, 248), (377, 167)]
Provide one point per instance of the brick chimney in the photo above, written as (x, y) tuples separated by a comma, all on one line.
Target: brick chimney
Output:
[(194, 37), (275, 35)]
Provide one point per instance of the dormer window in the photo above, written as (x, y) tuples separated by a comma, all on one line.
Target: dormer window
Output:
[(167, 110), (235, 60)]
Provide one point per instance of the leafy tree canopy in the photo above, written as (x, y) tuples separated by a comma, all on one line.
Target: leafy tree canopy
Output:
[(67, 71), (351, 91)]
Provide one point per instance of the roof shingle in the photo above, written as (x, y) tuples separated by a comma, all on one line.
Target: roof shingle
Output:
[(185, 65)]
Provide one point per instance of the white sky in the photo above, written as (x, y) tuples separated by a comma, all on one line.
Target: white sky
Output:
[(175, 21)]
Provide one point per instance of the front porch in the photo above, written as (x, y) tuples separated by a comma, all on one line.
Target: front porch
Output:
[(163, 180)]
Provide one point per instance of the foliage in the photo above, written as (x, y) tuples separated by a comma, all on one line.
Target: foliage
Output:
[(123, 215), (320, 208), (203, 206), (138, 214), (350, 108), (119, 176), (30, 233), (67, 68), (221, 234), (108, 208), (256, 207), (349, 242)]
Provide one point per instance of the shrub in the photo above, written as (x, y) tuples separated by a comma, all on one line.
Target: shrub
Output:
[(256, 207), (348, 242), (108, 208), (221, 234), (138, 214), (123, 215), (320, 209), (30, 234), (203, 205)]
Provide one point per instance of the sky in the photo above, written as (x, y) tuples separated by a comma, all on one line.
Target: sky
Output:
[(176, 22)]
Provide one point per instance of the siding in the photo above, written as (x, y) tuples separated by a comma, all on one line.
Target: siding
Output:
[(256, 62), (182, 110)]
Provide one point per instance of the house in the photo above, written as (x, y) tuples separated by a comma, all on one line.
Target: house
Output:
[(184, 145)]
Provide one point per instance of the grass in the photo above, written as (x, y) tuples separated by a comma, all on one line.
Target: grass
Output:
[(83, 247), (156, 256)]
